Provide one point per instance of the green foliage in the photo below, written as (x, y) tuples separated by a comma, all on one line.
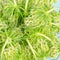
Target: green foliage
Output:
[(28, 30)]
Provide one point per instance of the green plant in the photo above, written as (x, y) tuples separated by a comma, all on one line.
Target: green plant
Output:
[(28, 30)]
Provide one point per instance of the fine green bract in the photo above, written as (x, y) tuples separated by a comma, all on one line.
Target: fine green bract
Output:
[(28, 30)]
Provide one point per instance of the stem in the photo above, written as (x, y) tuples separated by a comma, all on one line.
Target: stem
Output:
[(51, 10), (55, 25), (4, 47), (26, 5), (44, 58), (33, 51), (44, 36), (15, 3)]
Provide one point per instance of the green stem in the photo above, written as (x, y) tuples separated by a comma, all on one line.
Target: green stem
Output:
[(44, 36), (51, 10), (33, 51), (26, 6), (4, 47)]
